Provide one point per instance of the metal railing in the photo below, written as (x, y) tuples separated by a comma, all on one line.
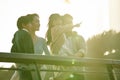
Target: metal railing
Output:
[(58, 60)]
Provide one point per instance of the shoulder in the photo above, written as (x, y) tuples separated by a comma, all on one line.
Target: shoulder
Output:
[(78, 35), (21, 32)]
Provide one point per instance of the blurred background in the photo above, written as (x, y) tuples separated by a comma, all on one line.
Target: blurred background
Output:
[(96, 16)]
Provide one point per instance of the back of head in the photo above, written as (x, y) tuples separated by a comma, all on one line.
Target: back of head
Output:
[(21, 20), (67, 18)]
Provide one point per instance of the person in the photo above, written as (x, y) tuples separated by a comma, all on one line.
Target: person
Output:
[(40, 45), (54, 34), (65, 42), (23, 43), (74, 44), (58, 29), (54, 20)]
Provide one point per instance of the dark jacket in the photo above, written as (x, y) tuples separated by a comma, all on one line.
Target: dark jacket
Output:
[(22, 43)]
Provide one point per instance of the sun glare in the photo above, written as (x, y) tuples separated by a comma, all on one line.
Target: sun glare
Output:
[(92, 13)]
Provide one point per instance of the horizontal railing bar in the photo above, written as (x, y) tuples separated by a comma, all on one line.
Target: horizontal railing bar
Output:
[(60, 70), (16, 69), (53, 60)]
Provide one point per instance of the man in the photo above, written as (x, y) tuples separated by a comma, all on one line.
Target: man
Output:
[(23, 43)]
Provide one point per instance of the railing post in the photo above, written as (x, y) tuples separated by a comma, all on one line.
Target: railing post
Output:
[(37, 71), (110, 72)]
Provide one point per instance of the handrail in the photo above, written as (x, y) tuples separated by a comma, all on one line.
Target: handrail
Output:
[(58, 60), (53, 60)]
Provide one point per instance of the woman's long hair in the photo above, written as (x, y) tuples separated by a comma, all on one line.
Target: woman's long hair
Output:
[(52, 18)]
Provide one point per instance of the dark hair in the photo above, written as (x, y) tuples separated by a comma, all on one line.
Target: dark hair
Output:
[(25, 20), (30, 17), (21, 20), (66, 18), (52, 18)]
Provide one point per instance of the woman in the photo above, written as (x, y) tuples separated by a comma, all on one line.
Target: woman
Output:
[(40, 44), (54, 33)]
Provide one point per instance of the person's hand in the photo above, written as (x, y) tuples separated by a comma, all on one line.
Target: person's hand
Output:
[(77, 25), (79, 55)]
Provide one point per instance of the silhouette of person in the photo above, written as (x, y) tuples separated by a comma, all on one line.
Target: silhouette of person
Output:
[(55, 21), (21, 42), (65, 42), (40, 44), (74, 44), (58, 27)]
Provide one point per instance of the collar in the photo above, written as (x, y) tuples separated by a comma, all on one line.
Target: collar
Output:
[(25, 30)]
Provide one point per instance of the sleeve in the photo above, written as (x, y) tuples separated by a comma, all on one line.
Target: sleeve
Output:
[(82, 45)]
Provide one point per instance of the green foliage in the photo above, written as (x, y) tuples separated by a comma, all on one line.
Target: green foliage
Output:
[(100, 43)]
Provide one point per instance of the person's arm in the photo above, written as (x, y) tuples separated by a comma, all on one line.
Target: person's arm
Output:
[(59, 30), (82, 45)]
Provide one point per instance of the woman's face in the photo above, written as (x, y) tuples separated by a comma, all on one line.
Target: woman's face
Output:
[(35, 24)]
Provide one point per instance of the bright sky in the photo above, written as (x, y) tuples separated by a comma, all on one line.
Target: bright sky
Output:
[(92, 13)]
